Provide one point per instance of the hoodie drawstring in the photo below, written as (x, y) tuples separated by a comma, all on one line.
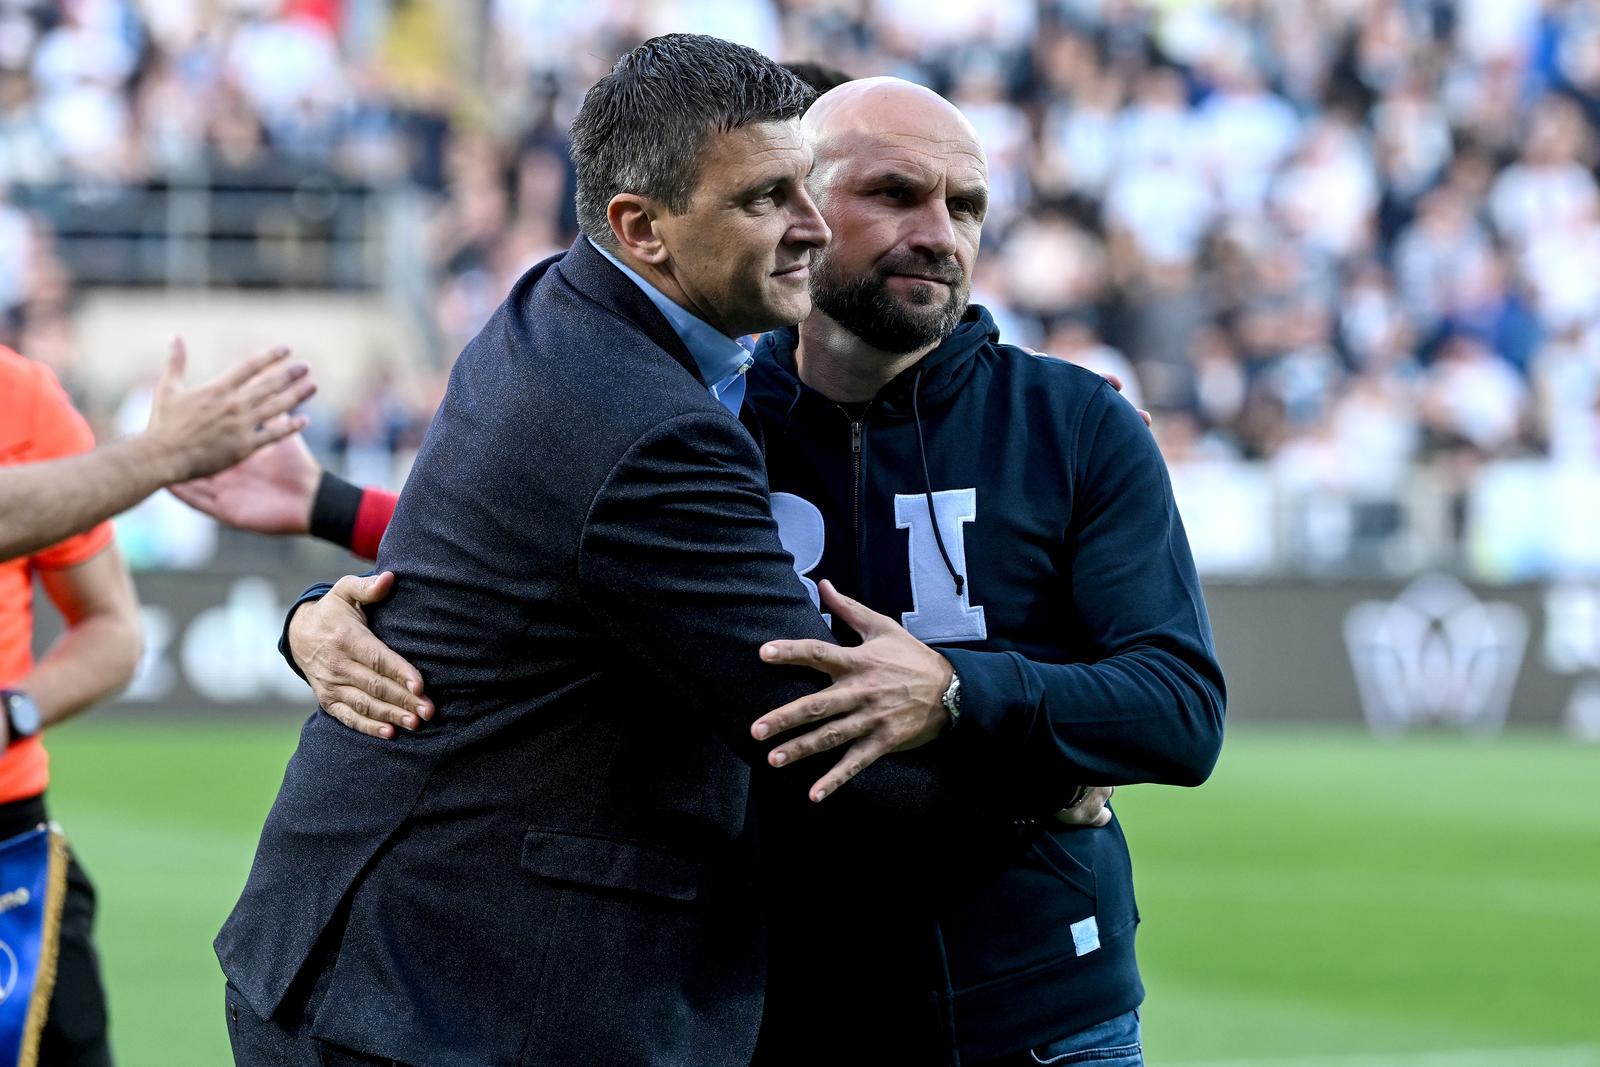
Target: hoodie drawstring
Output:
[(927, 487), (788, 416)]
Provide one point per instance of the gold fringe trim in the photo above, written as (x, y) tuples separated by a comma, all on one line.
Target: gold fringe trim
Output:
[(49, 949)]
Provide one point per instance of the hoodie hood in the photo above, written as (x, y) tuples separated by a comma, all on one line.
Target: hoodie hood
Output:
[(942, 371)]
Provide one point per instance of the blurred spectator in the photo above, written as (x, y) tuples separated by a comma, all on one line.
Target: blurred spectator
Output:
[(1567, 377), (288, 69), (1433, 253), (1076, 343), (1375, 429), (1373, 326), (1246, 132), (1159, 125), (1472, 398), (1051, 267), (1413, 143), (1327, 196), (1080, 143), (15, 246), (1346, 236), (1547, 189), (1487, 303), (1161, 209)]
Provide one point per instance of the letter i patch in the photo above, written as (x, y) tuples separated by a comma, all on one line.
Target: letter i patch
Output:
[(1086, 935)]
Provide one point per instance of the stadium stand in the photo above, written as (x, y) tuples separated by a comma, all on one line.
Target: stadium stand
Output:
[(1348, 252)]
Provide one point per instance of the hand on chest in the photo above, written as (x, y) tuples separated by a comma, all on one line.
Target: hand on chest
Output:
[(961, 542), (921, 564)]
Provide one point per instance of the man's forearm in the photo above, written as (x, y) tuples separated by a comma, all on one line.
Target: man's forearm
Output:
[(93, 660), (42, 504)]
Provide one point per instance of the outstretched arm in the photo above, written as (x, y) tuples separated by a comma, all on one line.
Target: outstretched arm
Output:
[(193, 431), (282, 489)]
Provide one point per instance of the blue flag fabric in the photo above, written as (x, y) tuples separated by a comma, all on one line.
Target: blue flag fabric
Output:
[(33, 884)]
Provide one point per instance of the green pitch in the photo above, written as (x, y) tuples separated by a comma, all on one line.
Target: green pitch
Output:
[(1325, 901)]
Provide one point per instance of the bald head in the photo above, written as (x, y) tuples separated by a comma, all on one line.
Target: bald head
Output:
[(871, 111), (903, 184)]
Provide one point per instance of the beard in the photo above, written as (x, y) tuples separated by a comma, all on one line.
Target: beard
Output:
[(865, 306)]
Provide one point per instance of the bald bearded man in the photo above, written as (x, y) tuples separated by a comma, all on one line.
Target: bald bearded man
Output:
[(1012, 511)]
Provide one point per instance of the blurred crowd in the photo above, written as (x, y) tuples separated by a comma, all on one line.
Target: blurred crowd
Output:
[(98, 97), (1340, 236)]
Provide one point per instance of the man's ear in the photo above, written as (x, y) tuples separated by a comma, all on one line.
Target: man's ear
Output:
[(632, 219)]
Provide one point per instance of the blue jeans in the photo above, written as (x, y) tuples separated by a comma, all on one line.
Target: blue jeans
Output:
[(1113, 1043)]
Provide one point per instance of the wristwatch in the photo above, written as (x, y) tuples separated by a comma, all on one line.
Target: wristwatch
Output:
[(952, 698), (22, 714)]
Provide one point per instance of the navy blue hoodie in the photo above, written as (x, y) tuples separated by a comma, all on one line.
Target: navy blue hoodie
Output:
[(1013, 511)]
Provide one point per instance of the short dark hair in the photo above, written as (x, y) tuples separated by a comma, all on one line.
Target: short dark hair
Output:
[(819, 76), (642, 128)]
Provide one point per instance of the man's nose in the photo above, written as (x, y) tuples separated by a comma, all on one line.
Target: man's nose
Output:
[(934, 233), (807, 226)]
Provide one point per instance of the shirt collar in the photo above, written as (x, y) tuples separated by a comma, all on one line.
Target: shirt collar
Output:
[(720, 358)]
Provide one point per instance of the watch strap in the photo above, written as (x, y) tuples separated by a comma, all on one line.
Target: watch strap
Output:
[(952, 697)]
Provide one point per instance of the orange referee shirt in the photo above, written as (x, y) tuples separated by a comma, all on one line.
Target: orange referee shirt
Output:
[(37, 422)]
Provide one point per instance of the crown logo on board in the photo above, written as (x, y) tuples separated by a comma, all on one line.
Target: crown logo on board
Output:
[(1435, 655)]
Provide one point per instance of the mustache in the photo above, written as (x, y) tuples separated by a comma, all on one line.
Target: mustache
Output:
[(940, 268)]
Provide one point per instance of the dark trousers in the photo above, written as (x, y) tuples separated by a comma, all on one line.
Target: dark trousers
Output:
[(75, 1029)]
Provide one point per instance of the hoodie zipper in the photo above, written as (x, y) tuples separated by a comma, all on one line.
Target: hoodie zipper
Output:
[(855, 474), (857, 432)]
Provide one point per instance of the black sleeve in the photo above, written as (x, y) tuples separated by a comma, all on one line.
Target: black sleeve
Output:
[(1149, 706)]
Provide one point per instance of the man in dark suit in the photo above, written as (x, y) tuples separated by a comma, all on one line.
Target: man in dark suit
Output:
[(557, 869), (1061, 589)]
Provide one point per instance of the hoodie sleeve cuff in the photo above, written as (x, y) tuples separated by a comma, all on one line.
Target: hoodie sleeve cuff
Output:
[(991, 688)]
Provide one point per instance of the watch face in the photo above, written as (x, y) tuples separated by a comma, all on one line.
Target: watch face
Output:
[(23, 714)]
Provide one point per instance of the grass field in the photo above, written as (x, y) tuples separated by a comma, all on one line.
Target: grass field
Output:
[(1325, 901)]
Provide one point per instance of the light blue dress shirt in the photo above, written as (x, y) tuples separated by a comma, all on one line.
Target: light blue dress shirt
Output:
[(723, 362)]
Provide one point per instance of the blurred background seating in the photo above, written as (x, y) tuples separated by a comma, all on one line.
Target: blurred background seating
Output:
[(1348, 252)]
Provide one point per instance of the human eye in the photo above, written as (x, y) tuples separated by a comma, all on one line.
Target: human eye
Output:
[(766, 196), (967, 206)]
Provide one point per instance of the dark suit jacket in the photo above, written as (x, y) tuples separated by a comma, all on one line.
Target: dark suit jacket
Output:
[(557, 870)]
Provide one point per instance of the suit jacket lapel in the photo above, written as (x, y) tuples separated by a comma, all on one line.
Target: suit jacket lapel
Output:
[(595, 277)]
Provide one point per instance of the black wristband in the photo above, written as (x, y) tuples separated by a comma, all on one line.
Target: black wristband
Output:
[(334, 509)]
